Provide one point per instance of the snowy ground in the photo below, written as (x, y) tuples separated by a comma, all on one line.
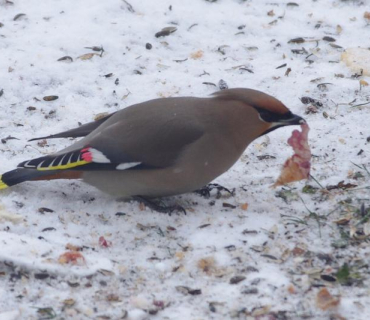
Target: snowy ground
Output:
[(270, 255)]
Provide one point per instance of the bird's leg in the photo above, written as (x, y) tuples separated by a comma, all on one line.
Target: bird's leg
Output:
[(159, 206), (206, 191)]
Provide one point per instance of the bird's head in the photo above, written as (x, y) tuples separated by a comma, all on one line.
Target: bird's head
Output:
[(271, 112)]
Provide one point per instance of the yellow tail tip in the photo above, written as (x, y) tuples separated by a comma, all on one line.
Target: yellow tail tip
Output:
[(3, 185)]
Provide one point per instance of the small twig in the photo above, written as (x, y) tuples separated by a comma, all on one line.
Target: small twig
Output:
[(364, 219), (361, 104), (335, 209), (129, 6), (314, 179), (313, 215), (294, 219), (363, 167), (367, 187), (192, 26)]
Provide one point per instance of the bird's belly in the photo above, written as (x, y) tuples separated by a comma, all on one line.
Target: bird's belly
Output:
[(151, 183), (198, 166)]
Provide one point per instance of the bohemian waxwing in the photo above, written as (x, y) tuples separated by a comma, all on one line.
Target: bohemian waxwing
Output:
[(161, 147)]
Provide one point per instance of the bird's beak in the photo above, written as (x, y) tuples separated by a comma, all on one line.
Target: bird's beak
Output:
[(293, 120)]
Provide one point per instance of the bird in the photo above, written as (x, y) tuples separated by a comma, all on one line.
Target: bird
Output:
[(162, 147)]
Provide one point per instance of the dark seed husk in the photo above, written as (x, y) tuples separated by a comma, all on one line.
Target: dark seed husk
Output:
[(269, 256), (282, 66), (222, 85), (230, 248), (236, 279), (297, 40), (187, 290), (299, 51), (265, 157), (195, 292), (66, 58), (252, 269), (129, 6), (329, 39), (182, 289), (43, 210), (95, 48), (307, 100), (18, 16), (73, 284), (8, 138), (165, 32), (192, 26), (204, 225), (228, 205), (247, 231), (335, 46), (48, 229), (212, 307), (328, 278), (41, 276), (250, 291), (179, 60), (50, 98), (209, 83)]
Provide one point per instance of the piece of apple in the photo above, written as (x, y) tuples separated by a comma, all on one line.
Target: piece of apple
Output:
[(297, 167)]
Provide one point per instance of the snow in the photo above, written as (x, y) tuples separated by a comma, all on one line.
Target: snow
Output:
[(152, 254), (10, 315), (34, 254)]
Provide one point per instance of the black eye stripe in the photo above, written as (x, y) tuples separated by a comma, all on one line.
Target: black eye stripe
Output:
[(269, 116)]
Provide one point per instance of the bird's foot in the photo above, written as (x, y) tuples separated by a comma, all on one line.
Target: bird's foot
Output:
[(160, 206), (206, 191)]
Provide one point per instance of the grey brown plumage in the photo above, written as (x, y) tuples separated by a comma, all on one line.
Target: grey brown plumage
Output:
[(162, 147)]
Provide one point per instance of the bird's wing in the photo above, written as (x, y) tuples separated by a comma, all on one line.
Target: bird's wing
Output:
[(123, 143), (154, 140), (81, 131)]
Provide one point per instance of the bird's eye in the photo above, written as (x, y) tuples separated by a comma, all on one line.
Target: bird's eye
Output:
[(269, 116), (266, 116)]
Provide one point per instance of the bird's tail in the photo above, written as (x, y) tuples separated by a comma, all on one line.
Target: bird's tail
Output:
[(19, 175), (3, 185)]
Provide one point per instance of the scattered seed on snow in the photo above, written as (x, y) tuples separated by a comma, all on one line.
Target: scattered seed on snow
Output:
[(19, 16), (222, 85), (328, 39), (66, 59), (50, 98), (165, 32), (87, 56), (237, 279), (249, 290), (297, 40)]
